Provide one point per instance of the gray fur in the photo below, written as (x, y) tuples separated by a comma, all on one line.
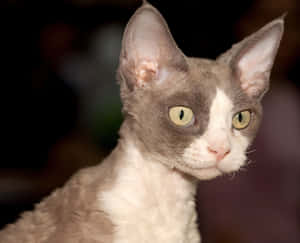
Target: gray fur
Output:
[(193, 84), (73, 213)]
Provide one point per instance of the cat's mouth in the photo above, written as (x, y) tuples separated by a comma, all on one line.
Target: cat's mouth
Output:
[(200, 172), (198, 167)]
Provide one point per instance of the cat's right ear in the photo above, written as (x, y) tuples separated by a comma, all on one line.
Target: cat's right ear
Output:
[(149, 53)]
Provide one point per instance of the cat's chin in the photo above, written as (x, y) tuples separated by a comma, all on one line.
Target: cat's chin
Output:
[(207, 173), (213, 171)]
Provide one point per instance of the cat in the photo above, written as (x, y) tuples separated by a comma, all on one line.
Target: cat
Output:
[(186, 119)]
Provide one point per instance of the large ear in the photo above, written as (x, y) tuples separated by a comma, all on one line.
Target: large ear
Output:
[(148, 51), (252, 59)]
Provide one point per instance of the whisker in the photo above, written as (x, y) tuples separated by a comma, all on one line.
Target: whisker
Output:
[(232, 175), (249, 161), (245, 166), (243, 169), (250, 151)]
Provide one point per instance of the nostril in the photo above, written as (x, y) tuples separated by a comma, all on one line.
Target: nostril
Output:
[(212, 150), (226, 152)]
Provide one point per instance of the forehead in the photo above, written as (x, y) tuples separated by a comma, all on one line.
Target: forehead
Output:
[(206, 76), (200, 85)]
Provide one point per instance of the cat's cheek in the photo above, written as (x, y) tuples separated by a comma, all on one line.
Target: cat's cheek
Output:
[(228, 166), (195, 155)]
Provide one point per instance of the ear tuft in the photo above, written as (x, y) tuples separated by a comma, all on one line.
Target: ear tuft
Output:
[(252, 59)]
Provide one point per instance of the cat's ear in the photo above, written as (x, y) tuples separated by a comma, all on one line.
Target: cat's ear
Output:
[(252, 59), (148, 51)]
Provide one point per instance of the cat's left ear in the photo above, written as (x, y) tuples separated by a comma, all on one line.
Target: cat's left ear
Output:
[(252, 59)]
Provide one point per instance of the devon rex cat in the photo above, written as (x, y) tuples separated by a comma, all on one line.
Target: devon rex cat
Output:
[(185, 119)]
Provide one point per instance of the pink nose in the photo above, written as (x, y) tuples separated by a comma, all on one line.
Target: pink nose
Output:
[(220, 153)]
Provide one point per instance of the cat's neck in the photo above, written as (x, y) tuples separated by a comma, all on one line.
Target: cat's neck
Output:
[(137, 172), (148, 198), (147, 167), (136, 156)]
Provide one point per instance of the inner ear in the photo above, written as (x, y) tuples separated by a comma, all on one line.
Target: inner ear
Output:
[(254, 63), (149, 51), (252, 59)]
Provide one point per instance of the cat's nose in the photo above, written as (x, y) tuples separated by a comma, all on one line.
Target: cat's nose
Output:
[(219, 152)]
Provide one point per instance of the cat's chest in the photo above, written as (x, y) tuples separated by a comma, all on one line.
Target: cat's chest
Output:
[(150, 203)]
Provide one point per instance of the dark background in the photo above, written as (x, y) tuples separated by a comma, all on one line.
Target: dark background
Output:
[(62, 107)]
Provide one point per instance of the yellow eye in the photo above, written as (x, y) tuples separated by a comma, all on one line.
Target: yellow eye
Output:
[(241, 119), (181, 116)]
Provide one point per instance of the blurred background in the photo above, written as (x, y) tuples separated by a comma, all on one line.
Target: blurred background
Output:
[(62, 106)]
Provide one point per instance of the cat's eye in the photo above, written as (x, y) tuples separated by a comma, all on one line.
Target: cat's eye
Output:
[(241, 119), (181, 116)]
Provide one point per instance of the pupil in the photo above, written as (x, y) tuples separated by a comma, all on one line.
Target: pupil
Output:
[(240, 117), (181, 115)]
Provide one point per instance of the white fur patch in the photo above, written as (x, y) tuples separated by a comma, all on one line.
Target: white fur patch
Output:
[(150, 203), (219, 134)]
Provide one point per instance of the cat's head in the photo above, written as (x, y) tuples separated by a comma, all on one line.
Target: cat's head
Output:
[(196, 115)]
